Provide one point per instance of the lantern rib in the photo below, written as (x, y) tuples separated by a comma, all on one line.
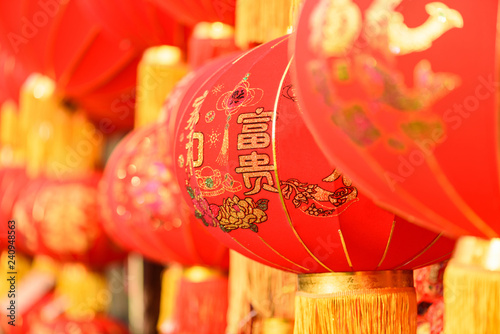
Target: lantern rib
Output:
[(344, 247), (439, 259), (265, 260), (278, 185), (422, 252), (281, 255), (411, 200), (388, 244), (457, 200)]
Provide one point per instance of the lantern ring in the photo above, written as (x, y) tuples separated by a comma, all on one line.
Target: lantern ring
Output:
[(332, 283)]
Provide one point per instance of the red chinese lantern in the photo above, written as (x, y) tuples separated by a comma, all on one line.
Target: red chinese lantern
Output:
[(65, 325), (12, 77), (260, 184), (145, 212), (209, 41), (142, 23), (60, 219), (91, 67), (392, 103), (12, 182), (190, 12)]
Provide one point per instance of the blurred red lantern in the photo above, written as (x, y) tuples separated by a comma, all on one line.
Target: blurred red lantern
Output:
[(12, 76), (12, 182), (416, 125), (91, 67), (209, 41), (145, 212), (261, 185), (60, 219), (65, 325), (142, 23), (190, 12)]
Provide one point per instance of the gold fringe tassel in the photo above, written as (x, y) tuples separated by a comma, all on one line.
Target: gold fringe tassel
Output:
[(238, 312), (86, 292), (260, 21), (261, 298), (169, 290), (472, 288), (355, 305)]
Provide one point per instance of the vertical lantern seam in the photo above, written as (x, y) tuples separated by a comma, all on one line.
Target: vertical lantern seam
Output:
[(278, 185)]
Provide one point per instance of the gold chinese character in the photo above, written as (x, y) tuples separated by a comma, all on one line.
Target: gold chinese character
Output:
[(256, 166)]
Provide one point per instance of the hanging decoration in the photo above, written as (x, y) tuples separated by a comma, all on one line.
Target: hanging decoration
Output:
[(391, 103), (289, 208)]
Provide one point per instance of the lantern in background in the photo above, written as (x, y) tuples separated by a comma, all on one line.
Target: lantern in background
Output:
[(145, 212), (12, 76), (91, 67), (209, 41), (260, 184), (141, 23), (261, 298), (62, 222), (190, 12), (392, 105), (260, 21)]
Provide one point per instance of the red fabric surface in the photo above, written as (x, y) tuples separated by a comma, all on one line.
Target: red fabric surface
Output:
[(140, 198), (418, 129), (91, 67), (60, 219), (191, 12), (261, 185)]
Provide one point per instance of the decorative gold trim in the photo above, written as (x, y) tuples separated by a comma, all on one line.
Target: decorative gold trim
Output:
[(388, 244), (331, 283), (422, 252), (344, 246), (278, 43), (459, 202), (477, 253), (439, 259), (282, 256), (278, 184), (265, 260)]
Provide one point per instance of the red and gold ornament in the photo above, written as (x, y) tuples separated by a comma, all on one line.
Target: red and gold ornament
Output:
[(402, 96), (259, 183)]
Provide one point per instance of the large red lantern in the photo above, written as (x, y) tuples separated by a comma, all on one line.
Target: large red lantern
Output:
[(91, 67), (403, 96), (60, 219), (145, 212), (261, 185)]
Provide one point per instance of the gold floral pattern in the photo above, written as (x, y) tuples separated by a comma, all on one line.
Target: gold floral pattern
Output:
[(235, 213), (316, 201)]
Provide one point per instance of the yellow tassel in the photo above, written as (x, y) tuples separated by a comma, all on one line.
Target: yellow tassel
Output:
[(85, 292), (37, 104), (267, 291), (472, 287), (260, 21), (10, 134), (169, 289), (159, 71), (356, 303), (238, 313)]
